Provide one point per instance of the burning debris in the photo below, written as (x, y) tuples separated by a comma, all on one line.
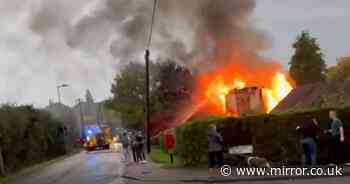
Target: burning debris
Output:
[(237, 98), (239, 87), (240, 101), (224, 93)]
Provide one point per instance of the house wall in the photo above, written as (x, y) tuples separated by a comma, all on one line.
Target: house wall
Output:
[(240, 101)]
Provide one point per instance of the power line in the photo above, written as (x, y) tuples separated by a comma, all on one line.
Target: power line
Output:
[(152, 23)]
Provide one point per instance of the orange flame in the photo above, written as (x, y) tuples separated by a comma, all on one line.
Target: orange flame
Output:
[(218, 89), (238, 84), (280, 89), (237, 69), (217, 84)]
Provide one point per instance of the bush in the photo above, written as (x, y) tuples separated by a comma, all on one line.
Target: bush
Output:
[(273, 136), (191, 141), (28, 136)]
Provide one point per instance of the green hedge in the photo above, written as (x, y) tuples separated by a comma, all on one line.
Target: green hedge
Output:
[(28, 136), (191, 141), (272, 136)]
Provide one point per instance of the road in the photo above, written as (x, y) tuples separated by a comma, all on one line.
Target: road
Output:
[(83, 168), (107, 168), (338, 180)]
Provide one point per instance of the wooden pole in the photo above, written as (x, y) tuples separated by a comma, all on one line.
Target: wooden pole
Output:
[(148, 132)]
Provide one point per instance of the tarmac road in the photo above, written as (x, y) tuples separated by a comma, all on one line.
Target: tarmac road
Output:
[(100, 167), (104, 167)]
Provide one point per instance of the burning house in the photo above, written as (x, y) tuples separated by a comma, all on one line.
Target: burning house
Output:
[(234, 95), (240, 101), (222, 52)]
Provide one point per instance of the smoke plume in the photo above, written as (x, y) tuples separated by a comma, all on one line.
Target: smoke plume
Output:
[(187, 31), (48, 42)]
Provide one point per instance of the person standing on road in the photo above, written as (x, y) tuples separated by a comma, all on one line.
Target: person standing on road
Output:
[(134, 147), (125, 142), (140, 150), (336, 130), (308, 130), (215, 148)]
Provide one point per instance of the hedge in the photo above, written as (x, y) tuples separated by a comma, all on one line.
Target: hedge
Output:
[(28, 136), (191, 141), (273, 136)]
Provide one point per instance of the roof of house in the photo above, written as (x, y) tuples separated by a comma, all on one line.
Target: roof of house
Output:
[(301, 97)]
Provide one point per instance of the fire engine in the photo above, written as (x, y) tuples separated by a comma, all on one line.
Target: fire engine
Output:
[(98, 137)]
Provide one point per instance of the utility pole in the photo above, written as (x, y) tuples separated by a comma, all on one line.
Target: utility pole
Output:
[(148, 132), (147, 53)]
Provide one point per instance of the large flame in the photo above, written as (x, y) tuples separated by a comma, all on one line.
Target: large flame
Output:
[(280, 89), (218, 89), (240, 70)]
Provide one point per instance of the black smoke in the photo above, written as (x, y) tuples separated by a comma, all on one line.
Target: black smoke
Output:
[(191, 32)]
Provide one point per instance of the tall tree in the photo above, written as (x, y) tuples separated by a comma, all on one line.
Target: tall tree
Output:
[(128, 92), (307, 64), (174, 85), (170, 83)]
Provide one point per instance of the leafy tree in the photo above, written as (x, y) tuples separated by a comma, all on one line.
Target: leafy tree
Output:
[(307, 64), (341, 70), (174, 84), (28, 135), (128, 92), (169, 84)]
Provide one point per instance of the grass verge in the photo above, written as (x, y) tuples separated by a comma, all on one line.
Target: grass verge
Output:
[(160, 157)]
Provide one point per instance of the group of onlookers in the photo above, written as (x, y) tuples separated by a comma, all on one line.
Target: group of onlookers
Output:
[(134, 142), (308, 130)]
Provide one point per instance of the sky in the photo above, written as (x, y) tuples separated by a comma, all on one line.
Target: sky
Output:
[(32, 65), (283, 20)]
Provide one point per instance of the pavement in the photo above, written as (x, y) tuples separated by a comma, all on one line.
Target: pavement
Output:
[(106, 167), (152, 173)]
